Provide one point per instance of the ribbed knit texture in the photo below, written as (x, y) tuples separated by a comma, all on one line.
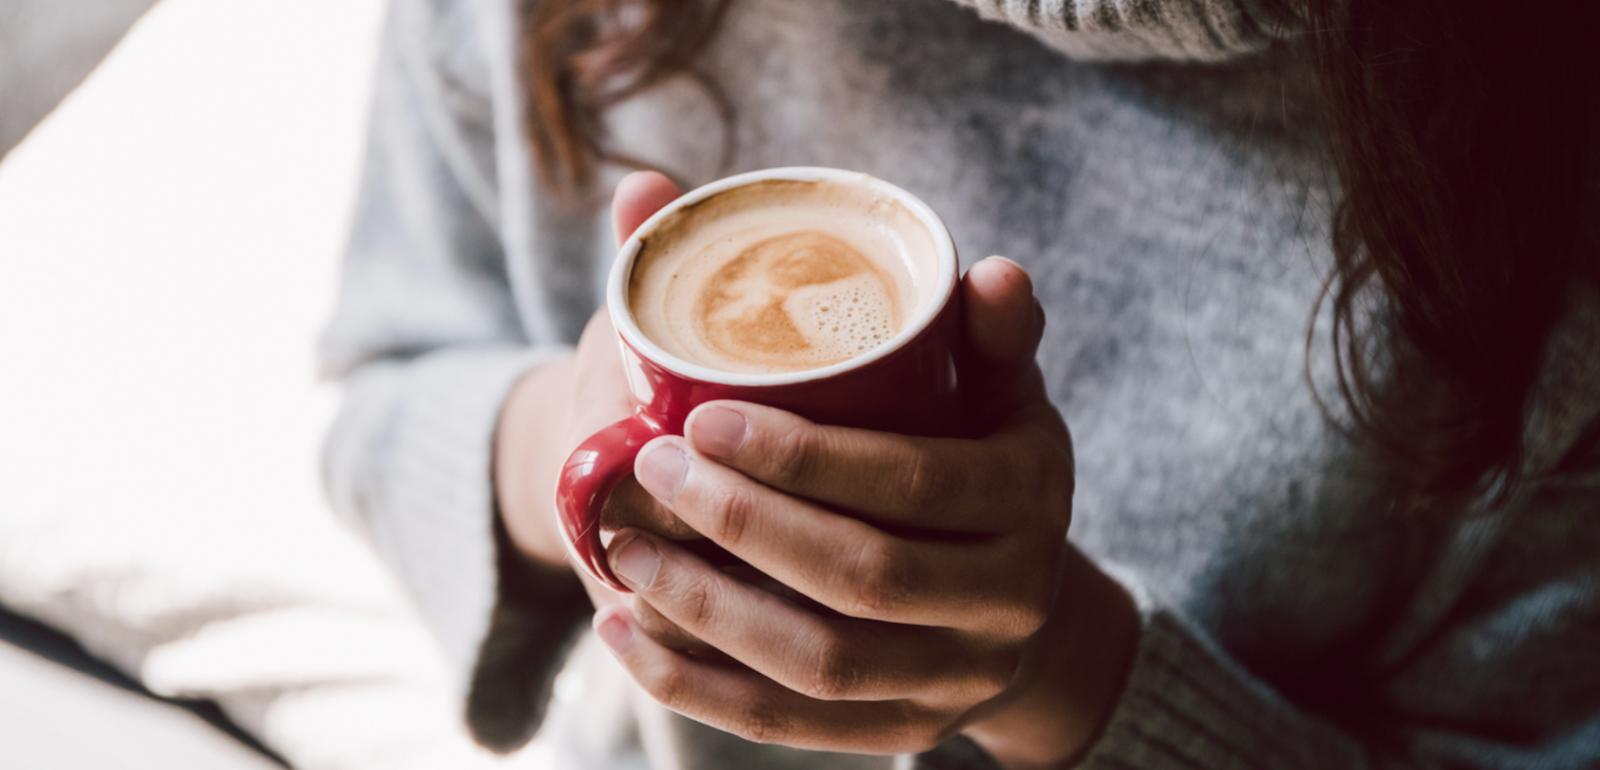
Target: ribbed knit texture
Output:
[(414, 449), (1135, 30), (1184, 701)]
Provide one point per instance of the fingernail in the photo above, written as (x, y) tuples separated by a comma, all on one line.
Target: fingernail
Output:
[(614, 631), (636, 562), (719, 431), (661, 470), (1010, 262)]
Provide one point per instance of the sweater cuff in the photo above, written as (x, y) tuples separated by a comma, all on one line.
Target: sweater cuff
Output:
[(539, 615), (420, 436), (409, 465), (1187, 705)]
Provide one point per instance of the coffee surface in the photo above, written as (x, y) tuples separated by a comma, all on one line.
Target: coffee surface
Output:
[(782, 276)]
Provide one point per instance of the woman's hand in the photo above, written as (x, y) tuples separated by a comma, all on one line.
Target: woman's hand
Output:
[(555, 407), (948, 594)]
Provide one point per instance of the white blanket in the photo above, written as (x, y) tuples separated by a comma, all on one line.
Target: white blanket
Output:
[(168, 244)]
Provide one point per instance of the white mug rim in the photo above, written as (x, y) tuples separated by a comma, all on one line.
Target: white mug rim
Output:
[(622, 270)]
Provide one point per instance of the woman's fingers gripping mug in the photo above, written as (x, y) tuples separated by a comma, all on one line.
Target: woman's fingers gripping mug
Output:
[(826, 293)]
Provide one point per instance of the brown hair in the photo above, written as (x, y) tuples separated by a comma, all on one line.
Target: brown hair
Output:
[(580, 57), (1459, 130)]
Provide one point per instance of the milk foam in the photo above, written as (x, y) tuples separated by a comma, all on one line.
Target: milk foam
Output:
[(782, 276), (844, 319)]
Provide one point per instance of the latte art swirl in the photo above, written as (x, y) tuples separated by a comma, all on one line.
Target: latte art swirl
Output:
[(782, 276), (800, 298)]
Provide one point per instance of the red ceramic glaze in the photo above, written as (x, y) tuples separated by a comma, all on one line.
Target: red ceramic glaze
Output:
[(907, 386)]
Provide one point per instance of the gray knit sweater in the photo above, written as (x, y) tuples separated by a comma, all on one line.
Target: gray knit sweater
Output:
[(1163, 181)]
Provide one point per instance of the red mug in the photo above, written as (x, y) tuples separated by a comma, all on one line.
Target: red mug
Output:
[(907, 385)]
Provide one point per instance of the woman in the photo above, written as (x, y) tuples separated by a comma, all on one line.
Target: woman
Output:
[(1390, 565)]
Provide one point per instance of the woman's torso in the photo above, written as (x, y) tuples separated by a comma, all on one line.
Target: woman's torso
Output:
[(1173, 217), (1175, 220)]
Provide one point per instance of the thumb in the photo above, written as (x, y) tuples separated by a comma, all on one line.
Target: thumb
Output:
[(639, 195), (1004, 322)]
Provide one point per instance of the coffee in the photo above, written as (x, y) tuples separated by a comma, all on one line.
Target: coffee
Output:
[(782, 276)]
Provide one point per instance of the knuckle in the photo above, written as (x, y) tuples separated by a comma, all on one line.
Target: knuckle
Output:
[(880, 580), (731, 508), (760, 722), (1037, 478), (654, 625), (1030, 471), (670, 687), (1029, 599), (1052, 463), (791, 457), (836, 675), (699, 603)]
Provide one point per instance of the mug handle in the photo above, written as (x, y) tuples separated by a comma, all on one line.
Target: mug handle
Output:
[(594, 469)]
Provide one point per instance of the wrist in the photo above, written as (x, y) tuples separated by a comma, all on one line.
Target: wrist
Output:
[(1072, 675), (528, 454)]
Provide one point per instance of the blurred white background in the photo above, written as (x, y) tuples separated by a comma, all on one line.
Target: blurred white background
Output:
[(168, 250), (46, 48)]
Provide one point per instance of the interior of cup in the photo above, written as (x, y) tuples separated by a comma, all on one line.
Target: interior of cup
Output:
[(622, 271)]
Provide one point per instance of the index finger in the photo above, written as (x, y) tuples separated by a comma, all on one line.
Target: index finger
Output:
[(984, 486)]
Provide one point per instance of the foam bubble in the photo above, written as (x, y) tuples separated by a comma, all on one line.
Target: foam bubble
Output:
[(845, 318)]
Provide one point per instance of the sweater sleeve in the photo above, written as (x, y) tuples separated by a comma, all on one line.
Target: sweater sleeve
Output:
[(1501, 684), (1502, 677), (1136, 30), (426, 341), (1187, 705), (1492, 667)]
